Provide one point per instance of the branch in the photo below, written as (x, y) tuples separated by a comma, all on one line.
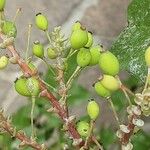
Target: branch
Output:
[(134, 120), (45, 93), (6, 126), (126, 136)]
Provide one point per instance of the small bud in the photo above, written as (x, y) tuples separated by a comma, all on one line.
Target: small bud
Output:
[(138, 122), (3, 62), (124, 128), (128, 146), (76, 142), (119, 134), (13, 60)]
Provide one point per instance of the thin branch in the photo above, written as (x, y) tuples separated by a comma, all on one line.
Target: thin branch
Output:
[(70, 80), (28, 42), (6, 126), (146, 82), (32, 117), (97, 143), (114, 111), (126, 136)]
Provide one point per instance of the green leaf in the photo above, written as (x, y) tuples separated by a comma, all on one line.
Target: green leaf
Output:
[(119, 100), (133, 41), (78, 94), (141, 141), (108, 137)]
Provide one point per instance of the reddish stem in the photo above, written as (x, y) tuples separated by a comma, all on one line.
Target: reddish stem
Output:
[(47, 94)]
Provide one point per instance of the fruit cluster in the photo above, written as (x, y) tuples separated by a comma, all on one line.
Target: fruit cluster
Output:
[(81, 41), (89, 55)]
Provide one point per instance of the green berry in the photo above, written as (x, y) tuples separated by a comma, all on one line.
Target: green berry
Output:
[(33, 86), (9, 29), (3, 62), (83, 57), (147, 56), (21, 87), (2, 4), (90, 40), (110, 83), (78, 38), (101, 91), (51, 53), (83, 128), (41, 22), (95, 55), (93, 109), (38, 49), (76, 26), (109, 63)]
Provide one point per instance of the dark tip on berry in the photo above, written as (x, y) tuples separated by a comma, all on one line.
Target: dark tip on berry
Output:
[(78, 121), (92, 99), (101, 45), (7, 55), (38, 14), (100, 78), (93, 84), (78, 21), (16, 80), (85, 130), (36, 42), (83, 28), (86, 47), (90, 32)]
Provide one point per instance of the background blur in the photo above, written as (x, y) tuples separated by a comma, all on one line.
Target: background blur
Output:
[(105, 18)]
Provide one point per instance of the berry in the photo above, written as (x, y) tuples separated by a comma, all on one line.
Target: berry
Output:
[(83, 57), (109, 63), (2, 4), (51, 53), (101, 91), (9, 29), (33, 86), (76, 26), (83, 128), (90, 40), (3, 62), (38, 49), (95, 55), (147, 56), (110, 83), (93, 109), (21, 87), (41, 22), (79, 38)]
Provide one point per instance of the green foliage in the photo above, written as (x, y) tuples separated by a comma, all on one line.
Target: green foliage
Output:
[(134, 40), (141, 141), (107, 137)]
